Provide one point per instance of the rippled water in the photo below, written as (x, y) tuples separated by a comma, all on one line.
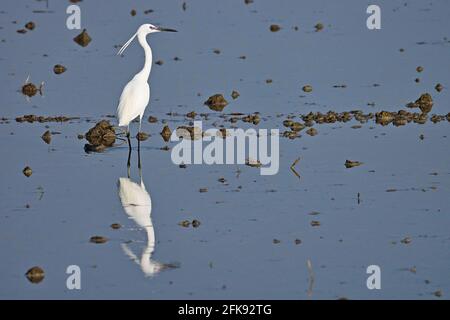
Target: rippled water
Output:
[(73, 195)]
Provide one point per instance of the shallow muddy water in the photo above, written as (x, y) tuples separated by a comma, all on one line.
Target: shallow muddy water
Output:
[(392, 211)]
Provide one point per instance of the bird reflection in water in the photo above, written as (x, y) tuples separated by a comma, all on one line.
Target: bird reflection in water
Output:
[(137, 204)]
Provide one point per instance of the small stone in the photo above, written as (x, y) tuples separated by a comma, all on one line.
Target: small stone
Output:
[(308, 88), (406, 240), (268, 81), (27, 171), (159, 62), (83, 39), (30, 25), (184, 223), (438, 293), (203, 190), (35, 274), (58, 69), (439, 87), (216, 51), (116, 226), (47, 137), (419, 69), (216, 102), (319, 27), (297, 241), (276, 241), (98, 239), (133, 12), (152, 119), (351, 164), (315, 223), (195, 223), (312, 132), (166, 133), (235, 94), (191, 114), (275, 28)]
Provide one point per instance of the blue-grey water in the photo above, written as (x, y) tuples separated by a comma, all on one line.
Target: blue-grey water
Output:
[(47, 219)]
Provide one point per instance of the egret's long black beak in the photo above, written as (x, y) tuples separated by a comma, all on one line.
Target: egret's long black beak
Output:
[(167, 29)]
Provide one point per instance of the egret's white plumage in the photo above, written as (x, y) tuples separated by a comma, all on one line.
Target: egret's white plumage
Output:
[(136, 94)]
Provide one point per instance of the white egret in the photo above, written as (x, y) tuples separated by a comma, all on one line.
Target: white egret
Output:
[(136, 94)]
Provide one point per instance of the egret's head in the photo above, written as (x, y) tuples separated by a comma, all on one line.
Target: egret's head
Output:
[(145, 29), (149, 28)]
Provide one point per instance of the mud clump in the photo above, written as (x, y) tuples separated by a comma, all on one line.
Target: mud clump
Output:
[(152, 119), (351, 164), (101, 136), (216, 102), (30, 118), (312, 132), (83, 39), (166, 133), (30, 89), (315, 223), (319, 27), (27, 171), (115, 226), (47, 137), (424, 103), (142, 136), (186, 223), (35, 274), (58, 69), (253, 163), (275, 28), (439, 87), (30, 25), (308, 88), (98, 239), (192, 133)]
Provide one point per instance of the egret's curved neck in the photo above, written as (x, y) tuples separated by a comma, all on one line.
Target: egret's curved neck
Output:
[(145, 72)]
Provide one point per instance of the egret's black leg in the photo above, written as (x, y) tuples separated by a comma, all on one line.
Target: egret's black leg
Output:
[(139, 155), (128, 138), (129, 162)]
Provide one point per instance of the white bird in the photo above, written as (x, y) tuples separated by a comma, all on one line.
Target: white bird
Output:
[(136, 94)]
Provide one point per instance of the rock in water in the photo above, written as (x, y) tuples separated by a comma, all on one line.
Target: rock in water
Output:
[(101, 136), (216, 102), (35, 274), (83, 38)]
